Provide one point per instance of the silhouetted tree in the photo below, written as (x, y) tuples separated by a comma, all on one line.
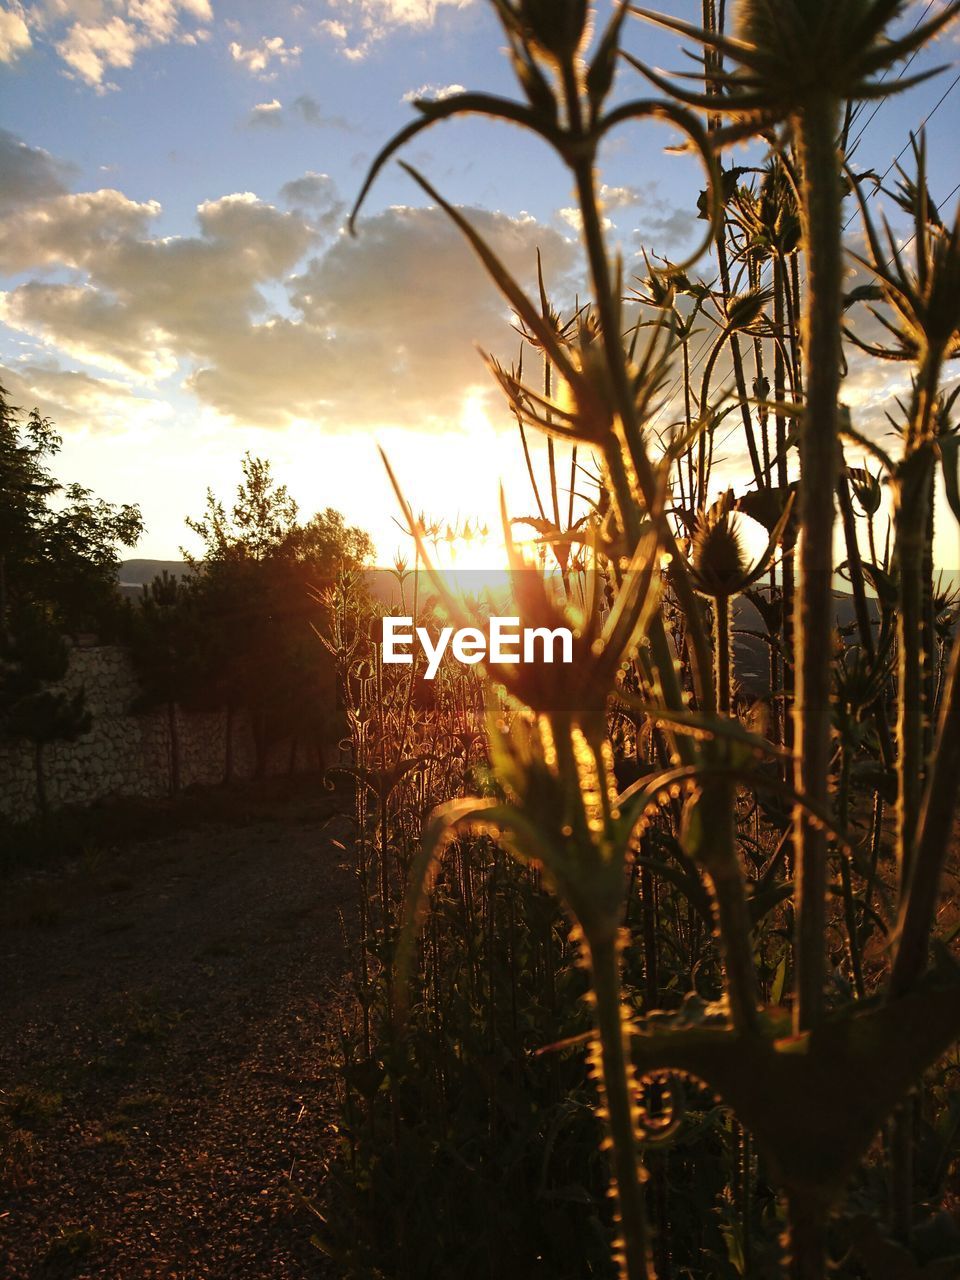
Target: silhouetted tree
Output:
[(30, 710), (59, 545), (256, 588), (165, 644)]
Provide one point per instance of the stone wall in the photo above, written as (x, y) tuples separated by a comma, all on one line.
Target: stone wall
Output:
[(126, 753)]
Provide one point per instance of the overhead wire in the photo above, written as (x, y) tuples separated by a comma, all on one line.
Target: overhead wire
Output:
[(700, 353)]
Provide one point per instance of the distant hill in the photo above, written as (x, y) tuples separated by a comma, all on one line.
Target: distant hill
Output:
[(135, 573), (751, 654)]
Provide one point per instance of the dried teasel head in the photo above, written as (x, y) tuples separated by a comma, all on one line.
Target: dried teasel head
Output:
[(789, 53), (556, 29), (718, 560), (922, 292), (719, 565)]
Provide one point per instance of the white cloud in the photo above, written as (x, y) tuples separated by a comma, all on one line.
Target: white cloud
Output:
[(302, 109), (14, 36), (381, 328), (574, 219), (330, 27), (92, 37), (361, 23), (435, 91), (80, 402), (267, 113), (621, 197), (89, 50), (264, 59), (71, 230)]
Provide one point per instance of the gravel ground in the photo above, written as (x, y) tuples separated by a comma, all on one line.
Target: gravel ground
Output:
[(167, 1021)]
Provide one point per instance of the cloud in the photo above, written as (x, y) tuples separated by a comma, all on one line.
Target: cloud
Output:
[(145, 303), (317, 194), (92, 37), (621, 197), (14, 36), (330, 27), (434, 91), (304, 109), (361, 23), (385, 325), (27, 173), (377, 329), (71, 230), (76, 231), (574, 219), (78, 401), (267, 113), (669, 230), (266, 58), (310, 112)]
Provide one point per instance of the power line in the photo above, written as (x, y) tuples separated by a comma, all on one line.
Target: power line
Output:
[(900, 154), (700, 352), (903, 71), (698, 355)]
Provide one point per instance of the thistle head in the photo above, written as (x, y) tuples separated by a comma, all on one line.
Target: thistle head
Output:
[(557, 29), (921, 289), (720, 567), (769, 216), (719, 562), (787, 54)]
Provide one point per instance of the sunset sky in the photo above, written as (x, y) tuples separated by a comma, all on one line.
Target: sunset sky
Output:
[(178, 287)]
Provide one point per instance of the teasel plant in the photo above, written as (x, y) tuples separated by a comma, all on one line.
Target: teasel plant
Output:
[(784, 75), (919, 314)]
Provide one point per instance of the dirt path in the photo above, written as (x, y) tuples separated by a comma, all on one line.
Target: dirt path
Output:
[(165, 1065)]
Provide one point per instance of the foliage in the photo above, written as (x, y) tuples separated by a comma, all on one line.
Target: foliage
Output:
[(244, 619), (59, 545), (735, 902)]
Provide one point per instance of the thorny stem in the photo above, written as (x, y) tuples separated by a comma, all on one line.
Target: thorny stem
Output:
[(919, 909), (913, 498), (816, 132), (613, 347), (913, 495), (718, 817), (619, 1091), (807, 1238), (721, 652), (861, 608)]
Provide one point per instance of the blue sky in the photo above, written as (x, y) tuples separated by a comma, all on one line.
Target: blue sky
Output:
[(178, 288)]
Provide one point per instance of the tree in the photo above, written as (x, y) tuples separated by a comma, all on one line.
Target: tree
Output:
[(257, 589), (59, 545), (58, 573), (166, 651), (30, 710)]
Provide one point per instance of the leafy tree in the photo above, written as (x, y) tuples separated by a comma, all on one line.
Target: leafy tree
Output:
[(59, 545), (166, 649), (29, 709), (256, 590), (59, 555)]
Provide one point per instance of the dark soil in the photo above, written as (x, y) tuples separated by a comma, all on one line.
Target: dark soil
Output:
[(169, 1015)]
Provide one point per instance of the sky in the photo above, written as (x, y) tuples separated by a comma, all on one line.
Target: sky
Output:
[(178, 286)]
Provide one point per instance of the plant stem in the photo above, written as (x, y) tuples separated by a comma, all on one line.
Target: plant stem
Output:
[(721, 653), (616, 1077), (807, 1238), (919, 909), (816, 130), (913, 494)]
